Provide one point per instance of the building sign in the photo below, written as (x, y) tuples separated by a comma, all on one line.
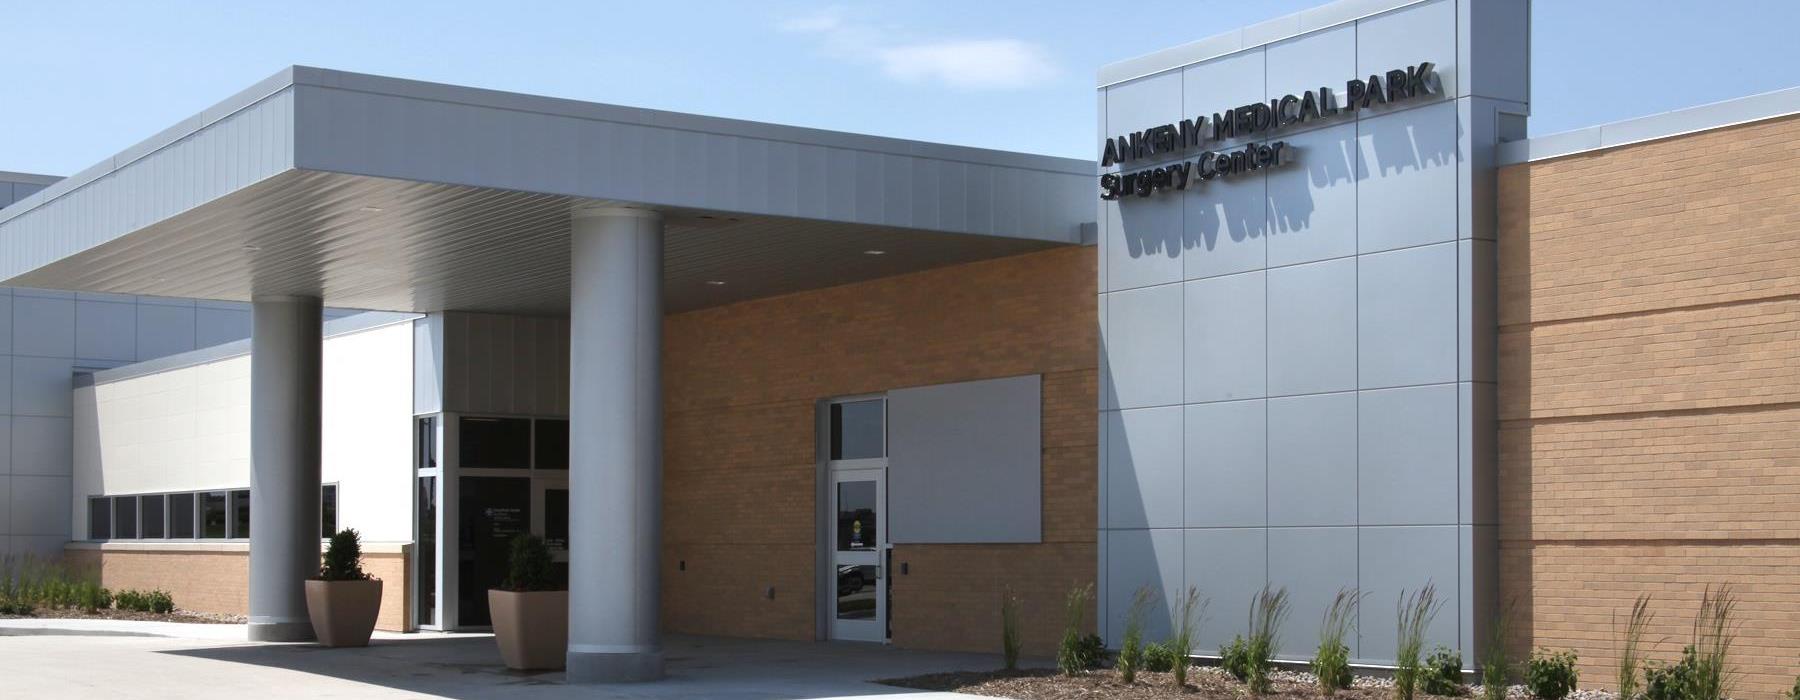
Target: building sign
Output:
[(1249, 120)]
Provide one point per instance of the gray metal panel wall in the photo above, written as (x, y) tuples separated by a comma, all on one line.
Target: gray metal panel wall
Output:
[(964, 462), (1297, 364), (133, 190)]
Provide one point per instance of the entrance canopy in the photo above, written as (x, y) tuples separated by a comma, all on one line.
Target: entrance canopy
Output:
[(377, 193)]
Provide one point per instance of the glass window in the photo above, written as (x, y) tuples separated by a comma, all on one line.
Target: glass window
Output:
[(427, 551), (152, 507), (495, 443), (125, 517), (552, 442), (181, 515), (240, 514), (856, 515), (328, 510), (859, 429), (428, 443), (212, 515), (99, 518)]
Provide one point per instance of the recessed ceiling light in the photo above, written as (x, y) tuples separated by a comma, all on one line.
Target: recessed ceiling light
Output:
[(252, 248), (371, 209), (716, 283), (874, 252)]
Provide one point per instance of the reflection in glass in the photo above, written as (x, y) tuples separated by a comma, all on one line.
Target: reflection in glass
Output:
[(328, 510), (858, 429), (212, 515), (240, 514), (856, 526), (856, 592)]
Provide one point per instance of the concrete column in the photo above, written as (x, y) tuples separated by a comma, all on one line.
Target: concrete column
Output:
[(615, 445), (285, 344)]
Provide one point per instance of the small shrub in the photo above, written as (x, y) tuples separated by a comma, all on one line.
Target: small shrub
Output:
[(1187, 626), (343, 558), (1235, 658), (131, 600), (1631, 637), (1443, 672), (1413, 615), (158, 602), (1010, 641), (1071, 657), (1131, 653), (1676, 681), (1794, 694), (1495, 666), (528, 566), (1550, 676), (90, 597), (1158, 658), (1331, 663)]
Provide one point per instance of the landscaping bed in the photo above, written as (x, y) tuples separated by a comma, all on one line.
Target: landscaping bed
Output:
[(115, 614), (1203, 682)]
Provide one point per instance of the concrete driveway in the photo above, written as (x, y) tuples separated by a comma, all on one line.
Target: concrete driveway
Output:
[(74, 663)]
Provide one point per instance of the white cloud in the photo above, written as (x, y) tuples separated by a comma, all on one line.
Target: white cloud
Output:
[(968, 64)]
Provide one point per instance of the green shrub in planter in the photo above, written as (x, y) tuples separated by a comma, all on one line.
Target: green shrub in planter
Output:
[(1443, 672), (530, 567), (1794, 694), (343, 558), (1158, 658), (1550, 675)]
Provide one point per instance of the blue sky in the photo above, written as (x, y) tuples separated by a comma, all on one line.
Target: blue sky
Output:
[(84, 80)]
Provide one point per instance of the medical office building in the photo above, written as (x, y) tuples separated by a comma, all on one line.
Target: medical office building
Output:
[(1319, 316)]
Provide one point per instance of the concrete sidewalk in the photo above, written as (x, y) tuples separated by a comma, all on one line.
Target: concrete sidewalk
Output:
[(71, 662)]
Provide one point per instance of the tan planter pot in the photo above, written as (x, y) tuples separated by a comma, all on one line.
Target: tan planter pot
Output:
[(531, 628), (343, 612)]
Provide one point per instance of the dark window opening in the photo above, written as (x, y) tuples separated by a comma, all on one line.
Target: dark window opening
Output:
[(495, 443), (328, 517), (212, 515), (181, 515), (859, 429), (125, 517), (240, 514), (552, 441), (152, 514), (99, 518)]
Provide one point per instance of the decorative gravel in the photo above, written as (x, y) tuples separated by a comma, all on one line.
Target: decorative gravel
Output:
[(1203, 681)]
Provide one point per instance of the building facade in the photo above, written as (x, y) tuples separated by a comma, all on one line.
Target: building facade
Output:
[(1320, 318)]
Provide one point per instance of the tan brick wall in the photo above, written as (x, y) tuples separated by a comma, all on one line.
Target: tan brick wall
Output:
[(218, 581), (1650, 394), (740, 385)]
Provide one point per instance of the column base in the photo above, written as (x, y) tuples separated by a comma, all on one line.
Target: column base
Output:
[(281, 632), (628, 667)]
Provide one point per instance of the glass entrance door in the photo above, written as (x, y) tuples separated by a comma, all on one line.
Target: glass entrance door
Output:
[(859, 610), (494, 510)]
